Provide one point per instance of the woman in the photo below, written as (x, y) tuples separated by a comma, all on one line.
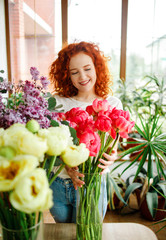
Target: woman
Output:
[(80, 74)]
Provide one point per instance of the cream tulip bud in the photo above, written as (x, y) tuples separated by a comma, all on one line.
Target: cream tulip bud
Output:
[(33, 126), (75, 155)]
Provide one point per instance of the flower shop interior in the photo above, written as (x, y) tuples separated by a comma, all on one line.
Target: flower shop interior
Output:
[(132, 34)]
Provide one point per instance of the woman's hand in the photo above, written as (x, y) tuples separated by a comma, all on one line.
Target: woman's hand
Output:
[(108, 162), (74, 175)]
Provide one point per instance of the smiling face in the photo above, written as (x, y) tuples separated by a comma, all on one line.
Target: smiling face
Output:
[(83, 73)]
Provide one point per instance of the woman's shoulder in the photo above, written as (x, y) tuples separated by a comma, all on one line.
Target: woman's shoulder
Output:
[(56, 96), (115, 102)]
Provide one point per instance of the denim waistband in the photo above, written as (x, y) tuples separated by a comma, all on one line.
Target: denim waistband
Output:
[(64, 181)]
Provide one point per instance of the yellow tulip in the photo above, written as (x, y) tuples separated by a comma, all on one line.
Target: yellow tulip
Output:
[(75, 155), (23, 141), (58, 138), (11, 170), (32, 193)]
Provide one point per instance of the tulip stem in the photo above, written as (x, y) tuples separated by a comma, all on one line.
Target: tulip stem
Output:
[(52, 162), (56, 174)]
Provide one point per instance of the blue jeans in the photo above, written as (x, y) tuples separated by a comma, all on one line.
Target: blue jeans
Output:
[(64, 198)]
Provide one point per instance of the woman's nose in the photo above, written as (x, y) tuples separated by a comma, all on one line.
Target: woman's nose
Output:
[(82, 75)]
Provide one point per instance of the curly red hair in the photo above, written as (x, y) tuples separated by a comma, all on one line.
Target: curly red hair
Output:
[(60, 76)]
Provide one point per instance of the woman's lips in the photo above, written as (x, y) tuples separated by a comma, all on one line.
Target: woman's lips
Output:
[(84, 82)]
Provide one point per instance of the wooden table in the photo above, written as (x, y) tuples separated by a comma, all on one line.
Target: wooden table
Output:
[(111, 231)]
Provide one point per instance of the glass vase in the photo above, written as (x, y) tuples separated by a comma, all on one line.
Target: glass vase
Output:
[(33, 233), (91, 207)]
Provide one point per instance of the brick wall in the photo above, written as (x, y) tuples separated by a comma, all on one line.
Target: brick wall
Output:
[(30, 50)]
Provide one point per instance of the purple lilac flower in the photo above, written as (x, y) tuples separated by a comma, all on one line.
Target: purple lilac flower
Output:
[(54, 116), (35, 73), (44, 82), (30, 89), (2, 106), (10, 117), (32, 104), (5, 86)]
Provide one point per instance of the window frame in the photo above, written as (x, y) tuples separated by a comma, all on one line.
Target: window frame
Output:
[(64, 12)]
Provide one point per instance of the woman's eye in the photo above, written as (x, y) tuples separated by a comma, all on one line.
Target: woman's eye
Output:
[(87, 69), (73, 73)]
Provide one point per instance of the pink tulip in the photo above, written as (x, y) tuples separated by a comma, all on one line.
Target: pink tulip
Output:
[(115, 114), (92, 142), (90, 110), (124, 126), (76, 115), (103, 123), (61, 116), (112, 133), (87, 125), (99, 105)]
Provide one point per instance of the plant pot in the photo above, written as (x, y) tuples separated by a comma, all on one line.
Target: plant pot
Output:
[(90, 207), (159, 213), (145, 211)]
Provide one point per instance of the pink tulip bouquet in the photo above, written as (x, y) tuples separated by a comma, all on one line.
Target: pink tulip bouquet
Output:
[(98, 127)]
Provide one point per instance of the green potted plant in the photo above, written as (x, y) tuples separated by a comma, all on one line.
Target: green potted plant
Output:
[(123, 93), (116, 187), (151, 148), (162, 220), (150, 153), (150, 97), (149, 195)]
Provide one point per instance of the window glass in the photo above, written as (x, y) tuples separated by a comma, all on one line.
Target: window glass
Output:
[(3, 57), (146, 39), (34, 34), (99, 22)]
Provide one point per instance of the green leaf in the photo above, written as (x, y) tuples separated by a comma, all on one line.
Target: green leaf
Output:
[(133, 161), (2, 71), (59, 106), (48, 94), (164, 195), (154, 129), (133, 149), (150, 164), (162, 186), (116, 188), (152, 203), (1, 79), (51, 103), (142, 161), (54, 123), (161, 221), (140, 131), (131, 188), (58, 161)]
